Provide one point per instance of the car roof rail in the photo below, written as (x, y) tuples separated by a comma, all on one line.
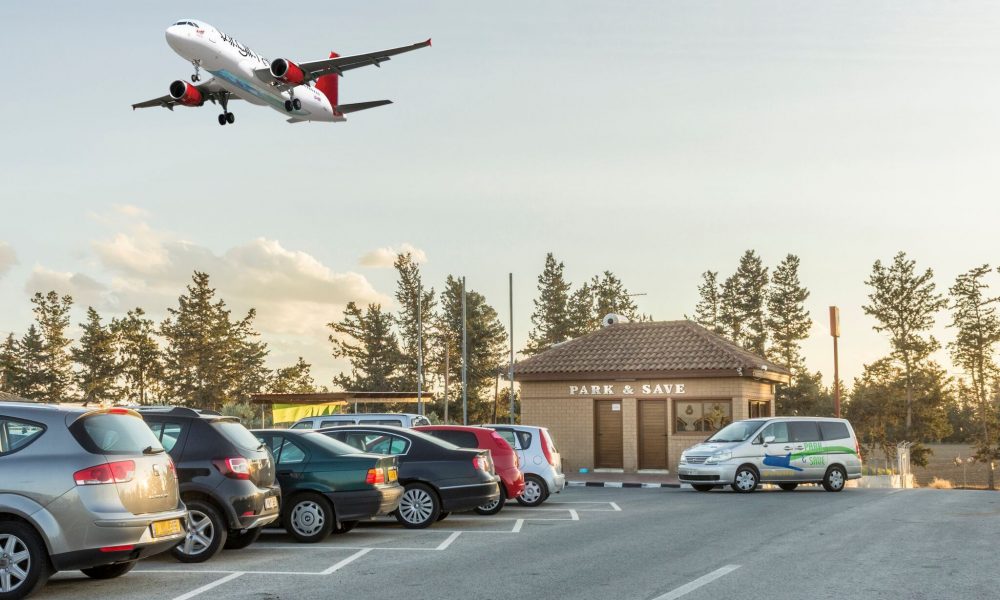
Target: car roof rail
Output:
[(167, 409)]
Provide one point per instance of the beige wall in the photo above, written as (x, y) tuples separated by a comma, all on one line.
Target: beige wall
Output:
[(571, 418)]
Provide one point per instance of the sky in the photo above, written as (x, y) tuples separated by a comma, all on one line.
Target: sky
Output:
[(653, 139)]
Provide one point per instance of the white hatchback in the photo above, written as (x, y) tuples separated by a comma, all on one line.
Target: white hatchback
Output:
[(539, 461)]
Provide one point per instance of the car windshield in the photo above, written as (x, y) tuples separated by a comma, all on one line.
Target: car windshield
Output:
[(235, 432), (740, 431), (333, 446)]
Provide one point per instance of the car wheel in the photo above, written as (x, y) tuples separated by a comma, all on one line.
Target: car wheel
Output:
[(788, 487), (834, 479), (206, 533), (535, 492), (24, 562), (109, 571), (309, 518), (492, 508), (237, 540), (702, 487), (745, 480), (344, 527), (443, 515), (419, 507)]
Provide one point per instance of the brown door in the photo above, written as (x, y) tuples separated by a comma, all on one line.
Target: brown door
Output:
[(652, 434), (608, 434)]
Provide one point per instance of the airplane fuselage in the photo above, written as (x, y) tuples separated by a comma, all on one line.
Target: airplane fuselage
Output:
[(232, 64)]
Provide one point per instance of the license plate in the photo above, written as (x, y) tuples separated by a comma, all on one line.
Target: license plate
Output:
[(165, 528), (270, 503), (393, 475)]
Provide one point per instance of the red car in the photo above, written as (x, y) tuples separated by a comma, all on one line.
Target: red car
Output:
[(504, 458)]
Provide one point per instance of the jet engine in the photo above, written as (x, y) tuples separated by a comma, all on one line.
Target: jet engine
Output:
[(185, 93), (288, 72)]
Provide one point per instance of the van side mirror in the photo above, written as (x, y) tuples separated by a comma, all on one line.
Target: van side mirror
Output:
[(768, 439)]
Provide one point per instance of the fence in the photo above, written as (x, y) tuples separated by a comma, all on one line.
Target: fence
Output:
[(949, 462)]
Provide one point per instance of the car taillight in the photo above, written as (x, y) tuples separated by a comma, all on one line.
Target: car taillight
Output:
[(375, 476), (857, 448), (171, 467), (121, 471), (233, 468), (480, 462), (547, 448)]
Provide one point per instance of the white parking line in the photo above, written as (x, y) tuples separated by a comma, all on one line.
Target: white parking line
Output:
[(691, 586), (205, 588), (518, 524), (347, 561), (447, 542), (615, 506), (573, 515)]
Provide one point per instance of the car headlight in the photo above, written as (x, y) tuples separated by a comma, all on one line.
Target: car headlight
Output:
[(684, 457), (718, 457)]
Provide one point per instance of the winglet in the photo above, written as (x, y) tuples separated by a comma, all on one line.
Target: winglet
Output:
[(428, 41)]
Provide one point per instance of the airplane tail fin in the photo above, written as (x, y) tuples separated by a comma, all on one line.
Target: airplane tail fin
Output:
[(328, 84)]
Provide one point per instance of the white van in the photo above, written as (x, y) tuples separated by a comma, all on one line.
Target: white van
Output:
[(396, 419), (782, 450)]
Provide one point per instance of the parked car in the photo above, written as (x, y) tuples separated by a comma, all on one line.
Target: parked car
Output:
[(394, 419), (81, 489), (438, 478), (226, 476), (787, 451), (328, 486), (504, 459), (539, 461)]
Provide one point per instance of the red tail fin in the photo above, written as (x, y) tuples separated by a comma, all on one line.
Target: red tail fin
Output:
[(328, 85)]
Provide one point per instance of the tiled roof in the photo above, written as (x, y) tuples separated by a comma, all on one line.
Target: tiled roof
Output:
[(657, 348)]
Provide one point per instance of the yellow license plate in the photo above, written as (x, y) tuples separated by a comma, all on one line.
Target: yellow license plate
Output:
[(393, 475), (165, 528)]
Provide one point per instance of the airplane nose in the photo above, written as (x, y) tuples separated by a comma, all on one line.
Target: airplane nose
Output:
[(175, 36)]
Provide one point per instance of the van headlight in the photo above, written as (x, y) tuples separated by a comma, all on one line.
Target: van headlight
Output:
[(718, 457), (684, 457)]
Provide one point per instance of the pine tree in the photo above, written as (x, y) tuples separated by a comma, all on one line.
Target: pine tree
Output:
[(904, 304), (296, 379), (247, 355), (788, 320), (708, 311), (33, 381), (750, 292), (486, 344), (550, 321), (367, 341), (977, 324), (610, 296), (139, 355), (410, 293), (732, 324), (580, 311), (197, 362), (98, 371), (52, 317), (10, 365)]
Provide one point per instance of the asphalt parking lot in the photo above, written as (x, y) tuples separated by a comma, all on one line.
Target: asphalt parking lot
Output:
[(643, 544)]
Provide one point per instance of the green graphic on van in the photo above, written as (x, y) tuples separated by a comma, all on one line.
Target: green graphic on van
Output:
[(812, 455)]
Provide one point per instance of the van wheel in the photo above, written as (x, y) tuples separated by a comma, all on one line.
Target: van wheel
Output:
[(702, 487), (788, 487), (419, 507), (535, 492), (745, 480), (24, 563), (109, 571), (309, 518), (237, 540), (834, 479), (206, 534)]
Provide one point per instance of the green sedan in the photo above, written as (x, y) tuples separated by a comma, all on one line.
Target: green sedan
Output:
[(328, 486)]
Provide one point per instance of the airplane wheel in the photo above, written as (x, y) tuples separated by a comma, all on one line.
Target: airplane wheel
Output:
[(195, 78), (230, 118), (288, 106), (222, 120), (296, 104)]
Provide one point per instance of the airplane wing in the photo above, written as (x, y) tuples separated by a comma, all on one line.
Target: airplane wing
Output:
[(210, 90), (318, 68), (349, 108)]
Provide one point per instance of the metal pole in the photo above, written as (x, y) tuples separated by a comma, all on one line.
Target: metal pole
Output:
[(447, 352), (496, 396), (510, 371), (420, 351), (465, 362), (835, 332)]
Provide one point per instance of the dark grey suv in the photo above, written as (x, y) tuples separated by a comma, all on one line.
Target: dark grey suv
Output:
[(81, 489)]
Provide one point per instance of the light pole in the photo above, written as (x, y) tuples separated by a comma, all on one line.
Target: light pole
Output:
[(835, 333), (510, 371), (465, 362), (420, 350)]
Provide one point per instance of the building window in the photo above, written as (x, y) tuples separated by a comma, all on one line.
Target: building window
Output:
[(759, 408), (701, 415)]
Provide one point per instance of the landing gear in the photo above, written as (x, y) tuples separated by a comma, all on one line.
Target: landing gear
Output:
[(226, 116), (288, 106), (230, 118), (196, 77), (293, 103), (296, 104)]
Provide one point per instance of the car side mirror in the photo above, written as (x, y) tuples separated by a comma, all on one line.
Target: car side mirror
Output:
[(768, 439)]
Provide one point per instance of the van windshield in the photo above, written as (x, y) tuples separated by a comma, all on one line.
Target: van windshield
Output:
[(740, 431)]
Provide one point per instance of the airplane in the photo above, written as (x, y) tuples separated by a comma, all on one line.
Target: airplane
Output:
[(304, 91)]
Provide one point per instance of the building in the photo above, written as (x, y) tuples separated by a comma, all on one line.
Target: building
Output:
[(632, 396)]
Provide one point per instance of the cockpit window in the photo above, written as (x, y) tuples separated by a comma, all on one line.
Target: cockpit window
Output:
[(186, 23)]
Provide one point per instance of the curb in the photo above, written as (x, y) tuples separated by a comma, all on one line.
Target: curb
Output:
[(621, 484)]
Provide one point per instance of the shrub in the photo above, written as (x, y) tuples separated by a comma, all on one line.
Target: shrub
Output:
[(940, 484)]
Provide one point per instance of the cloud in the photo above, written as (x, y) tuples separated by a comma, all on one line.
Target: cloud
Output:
[(8, 258), (383, 258), (85, 290)]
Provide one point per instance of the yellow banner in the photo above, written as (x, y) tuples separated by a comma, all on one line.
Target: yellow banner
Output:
[(290, 413)]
